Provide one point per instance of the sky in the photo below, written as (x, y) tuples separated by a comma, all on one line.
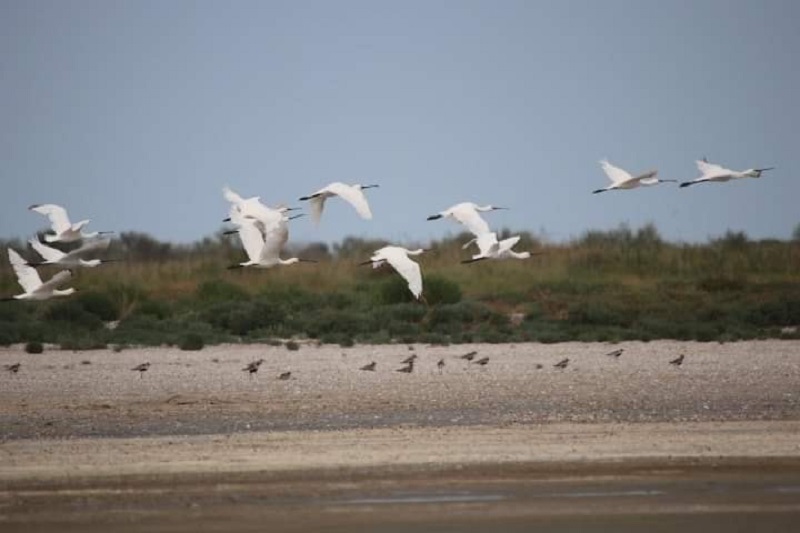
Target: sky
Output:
[(136, 114)]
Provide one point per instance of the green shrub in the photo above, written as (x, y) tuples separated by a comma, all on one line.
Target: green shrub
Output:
[(220, 291), (73, 312), (439, 290), (99, 305), (191, 342), (292, 346), (34, 347)]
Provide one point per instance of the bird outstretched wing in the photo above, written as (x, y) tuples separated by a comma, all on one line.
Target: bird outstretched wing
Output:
[(91, 245), (615, 174), (406, 268), (59, 219), (27, 276), (55, 281), (352, 195), (252, 239), (274, 239), (316, 205), (487, 244), (231, 196), (467, 215), (710, 169), (47, 253)]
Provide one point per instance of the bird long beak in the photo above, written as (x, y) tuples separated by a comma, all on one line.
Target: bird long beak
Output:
[(230, 232), (370, 186), (434, 217), (764, 169), (467, 261), (297, 216), (307, 260), (364, 263), (502, 208), (226, 219)]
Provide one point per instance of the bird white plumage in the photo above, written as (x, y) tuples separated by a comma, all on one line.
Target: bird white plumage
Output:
[(63, 229), (352, 194), (72, 258), (397, 257), (713, 172), (467, 214), (622, 179), (32, 284), (253, 208), (491, 248), (263, 248)]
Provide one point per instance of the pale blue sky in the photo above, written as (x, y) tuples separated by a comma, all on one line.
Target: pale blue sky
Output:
[(136, 113)]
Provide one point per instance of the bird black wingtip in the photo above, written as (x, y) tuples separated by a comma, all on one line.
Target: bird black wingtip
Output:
[(434, 217), (234, 267)]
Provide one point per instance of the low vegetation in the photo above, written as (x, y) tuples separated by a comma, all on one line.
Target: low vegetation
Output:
[(605, 286)]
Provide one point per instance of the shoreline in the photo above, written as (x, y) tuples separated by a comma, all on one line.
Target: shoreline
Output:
[(534, 448)]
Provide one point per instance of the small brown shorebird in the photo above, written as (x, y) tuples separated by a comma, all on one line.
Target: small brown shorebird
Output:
[(616, 353), (562, 364), (483, 361), (409, 368), (284, 376), (678, 361), (369, 367), (141, 369), (440, 365), (468, 356), (409, 359), (252, 368), (13, 368)]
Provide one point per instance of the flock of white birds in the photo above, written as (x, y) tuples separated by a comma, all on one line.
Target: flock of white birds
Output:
[(264, 231)]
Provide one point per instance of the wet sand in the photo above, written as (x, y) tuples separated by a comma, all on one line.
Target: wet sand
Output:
[(607, 443)]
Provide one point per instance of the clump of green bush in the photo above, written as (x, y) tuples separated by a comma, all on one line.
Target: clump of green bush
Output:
[(34, 347), (191, 342)]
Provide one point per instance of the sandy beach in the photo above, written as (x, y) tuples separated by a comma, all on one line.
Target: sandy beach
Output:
[(194, 428)]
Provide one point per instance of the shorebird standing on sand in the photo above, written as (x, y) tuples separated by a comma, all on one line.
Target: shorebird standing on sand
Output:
[(468, 356), (369, 367), (285, 376), (409, 368), (482, 361), (141, 369), (562, 364), (13, 368), (616, 353), (253, 367), (440, 365), (678, 361), (409, 359)]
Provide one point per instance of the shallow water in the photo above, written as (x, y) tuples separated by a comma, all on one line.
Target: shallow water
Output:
[(732, 499)]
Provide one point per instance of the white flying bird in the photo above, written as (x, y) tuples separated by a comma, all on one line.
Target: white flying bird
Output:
[(491, 248), (397, 257), (352, 194), (64, 230), (253, 208), (621, 179), (263, 249), (466, 213), (32, 284), (73, 258), (712, 172)]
